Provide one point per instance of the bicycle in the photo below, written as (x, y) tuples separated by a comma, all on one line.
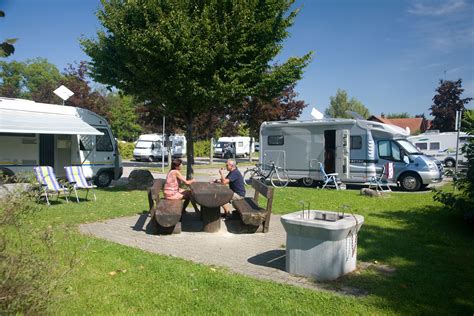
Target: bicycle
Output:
[(278, 176)]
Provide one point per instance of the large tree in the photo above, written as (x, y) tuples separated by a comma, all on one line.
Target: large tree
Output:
[(445, 104), (189, 56), (340, 105), (34, 79)]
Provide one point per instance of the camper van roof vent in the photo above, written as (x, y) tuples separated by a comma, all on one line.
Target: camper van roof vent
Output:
[(433, 131)]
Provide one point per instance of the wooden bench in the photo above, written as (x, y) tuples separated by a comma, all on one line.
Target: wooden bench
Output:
[(251, 213), (166, 213)]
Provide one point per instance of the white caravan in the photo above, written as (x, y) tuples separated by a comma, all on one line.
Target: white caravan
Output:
[(37, 134), (227, 147), (149, 147), (355, 149), (441, 146)]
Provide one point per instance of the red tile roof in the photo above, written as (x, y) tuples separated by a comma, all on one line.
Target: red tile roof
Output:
[(414, 124)]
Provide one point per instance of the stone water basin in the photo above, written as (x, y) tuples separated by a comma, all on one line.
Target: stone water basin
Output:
[(321, 244)]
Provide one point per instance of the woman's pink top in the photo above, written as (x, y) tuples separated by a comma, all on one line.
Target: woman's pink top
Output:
[(172, 191)]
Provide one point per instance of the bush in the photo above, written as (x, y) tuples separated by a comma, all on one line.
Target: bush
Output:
[(126, 150), (30, 265), (202, 148)]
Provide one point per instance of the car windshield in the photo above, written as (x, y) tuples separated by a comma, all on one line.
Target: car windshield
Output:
[(408, 147)]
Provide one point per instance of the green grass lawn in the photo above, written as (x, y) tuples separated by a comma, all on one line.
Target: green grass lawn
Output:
[(431, 250)]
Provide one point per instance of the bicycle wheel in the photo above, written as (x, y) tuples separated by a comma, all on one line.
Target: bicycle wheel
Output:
[(249, 174), (279, 178)]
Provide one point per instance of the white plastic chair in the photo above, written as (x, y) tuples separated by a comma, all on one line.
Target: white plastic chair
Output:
[(328, 178), (49, 184), (75, 176), (380, 181)]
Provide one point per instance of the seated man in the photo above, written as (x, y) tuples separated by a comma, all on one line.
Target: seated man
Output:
[(235, 181)]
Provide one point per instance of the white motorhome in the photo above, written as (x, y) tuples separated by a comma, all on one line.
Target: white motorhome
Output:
[(355, 149), (149, 147), (178, 146), (238, 146), (38, 134), (441, 146)]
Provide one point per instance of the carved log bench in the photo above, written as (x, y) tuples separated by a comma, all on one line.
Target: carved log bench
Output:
[(251, 213), (166, 213)]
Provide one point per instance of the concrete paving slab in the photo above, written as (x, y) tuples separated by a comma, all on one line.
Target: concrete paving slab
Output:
[(256, 255)]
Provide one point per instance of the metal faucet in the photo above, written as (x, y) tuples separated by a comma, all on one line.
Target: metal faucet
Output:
[(308, 213)]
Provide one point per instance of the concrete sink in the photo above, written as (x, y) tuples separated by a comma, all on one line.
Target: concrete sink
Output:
[(321, 244)]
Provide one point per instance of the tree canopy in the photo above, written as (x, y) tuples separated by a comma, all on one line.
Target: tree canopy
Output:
[(340, 104), (446, 102), (189, 56)]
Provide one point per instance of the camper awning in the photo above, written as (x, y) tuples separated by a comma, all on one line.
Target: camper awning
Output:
[(27, 122)]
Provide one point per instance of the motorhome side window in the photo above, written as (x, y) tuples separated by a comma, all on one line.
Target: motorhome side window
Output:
[(422, 146), (389, 150), (103, 141), (356, 142), (85, 143), (276, 140), (434, 146)]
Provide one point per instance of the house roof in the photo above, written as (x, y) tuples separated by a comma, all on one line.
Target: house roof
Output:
[(414, 124)]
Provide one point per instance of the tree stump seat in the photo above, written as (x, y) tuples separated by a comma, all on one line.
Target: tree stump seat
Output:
[(166, 213), (251, 213)]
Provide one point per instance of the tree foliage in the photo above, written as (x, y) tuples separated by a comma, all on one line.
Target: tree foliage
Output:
[(188, 57), (398, 115), (445, 104), (6, 47), (340, 104), (123, 117)]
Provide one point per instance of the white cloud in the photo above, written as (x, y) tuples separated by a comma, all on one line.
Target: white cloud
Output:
[(430, 8)]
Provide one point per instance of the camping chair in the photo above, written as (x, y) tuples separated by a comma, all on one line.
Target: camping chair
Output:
[(49, 184), (75, 176), (380, 181), (328, 178)]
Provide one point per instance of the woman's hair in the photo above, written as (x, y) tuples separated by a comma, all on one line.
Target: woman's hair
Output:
[(176, 163)]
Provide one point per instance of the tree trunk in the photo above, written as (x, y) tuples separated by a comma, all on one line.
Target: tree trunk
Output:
[(189, 147), (211, 151)]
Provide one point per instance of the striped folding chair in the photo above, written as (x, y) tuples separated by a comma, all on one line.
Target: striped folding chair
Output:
[(75, 176), (49, 184)]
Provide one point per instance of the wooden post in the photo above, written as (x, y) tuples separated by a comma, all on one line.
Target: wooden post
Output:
[(211, 219)]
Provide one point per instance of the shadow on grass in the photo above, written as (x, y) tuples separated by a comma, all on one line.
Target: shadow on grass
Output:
[(432, 252)]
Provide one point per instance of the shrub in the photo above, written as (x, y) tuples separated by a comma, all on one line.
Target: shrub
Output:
[(202, 148), (30, 265), (126, 150)]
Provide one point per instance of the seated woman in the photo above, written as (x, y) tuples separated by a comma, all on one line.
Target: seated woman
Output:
[(172, 191)]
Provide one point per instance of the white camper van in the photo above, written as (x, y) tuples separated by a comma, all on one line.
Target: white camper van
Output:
[(178, 146), (355, 149), (38, 134), (238, 146), (441, 146), (149, 147)]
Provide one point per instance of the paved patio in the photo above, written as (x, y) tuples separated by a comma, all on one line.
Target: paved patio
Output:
[(257, 255)]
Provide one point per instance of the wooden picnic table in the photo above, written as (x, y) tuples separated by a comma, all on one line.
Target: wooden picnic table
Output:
[(211, 196)]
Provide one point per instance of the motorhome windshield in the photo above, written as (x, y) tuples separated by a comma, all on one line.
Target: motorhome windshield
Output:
[(223, 144), (145, 144), (408, 147)]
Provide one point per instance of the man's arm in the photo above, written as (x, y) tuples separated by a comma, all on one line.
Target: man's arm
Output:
[(223, 179)]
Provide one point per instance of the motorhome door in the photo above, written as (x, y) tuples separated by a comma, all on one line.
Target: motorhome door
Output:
[(46, 150)]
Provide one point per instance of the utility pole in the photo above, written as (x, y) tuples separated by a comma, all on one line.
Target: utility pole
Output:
[(457, 128)]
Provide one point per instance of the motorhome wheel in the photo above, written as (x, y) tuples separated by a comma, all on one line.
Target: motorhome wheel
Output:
[(103, 179), (6, 176), (410, 182), (307, 182), (449, 163), (150, 159)]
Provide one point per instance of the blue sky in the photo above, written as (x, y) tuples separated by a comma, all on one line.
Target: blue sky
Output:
[(388, 54)]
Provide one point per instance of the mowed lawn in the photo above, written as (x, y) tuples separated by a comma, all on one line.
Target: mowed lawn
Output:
[(430, 250)]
